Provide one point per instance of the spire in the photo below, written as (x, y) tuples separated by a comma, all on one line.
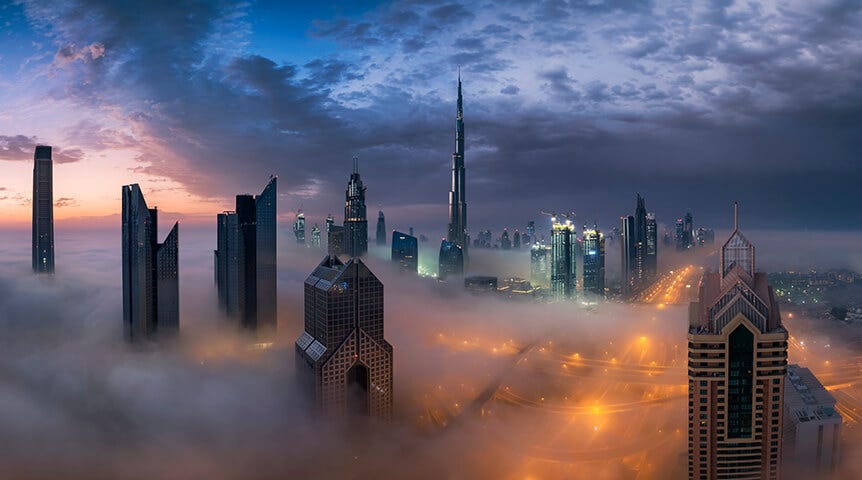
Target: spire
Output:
[(460, 101), (355, 164), (735, 216)]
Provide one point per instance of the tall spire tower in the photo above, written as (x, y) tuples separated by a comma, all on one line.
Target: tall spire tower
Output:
[(457, 201)]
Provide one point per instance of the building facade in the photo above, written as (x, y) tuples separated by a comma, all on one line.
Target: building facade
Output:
[(451, 260), (457, 232), (639, 243), (405, 251), (594, 262), (355, 220), (342, 355), (812, 426), (564, 256), (299, 228), (245, 259), (381, 229), (737, 361), (540, 265), (150, 271), (43, 210)]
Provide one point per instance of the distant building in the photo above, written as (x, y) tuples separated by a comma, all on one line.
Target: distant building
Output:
[(355, 221), (812, 426), (329, 223), (516, 288), (540, 265), (43, 210), (531, 232), (685, 232), (505, 242), (594, 261), (245, 260), (639, 243), (651, 248), (563, 260), (481, 284), (737, 357), (451, 260), (315, 236), (299, 228), (705, 236), (335, 240), (405, 251), (457, 232), (343, 359), (150, 271), (516, 239), (381, 229)]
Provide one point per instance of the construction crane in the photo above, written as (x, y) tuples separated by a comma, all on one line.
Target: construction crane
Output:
[(568, 216)]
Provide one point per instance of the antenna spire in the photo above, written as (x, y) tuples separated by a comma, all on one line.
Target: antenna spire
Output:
[(735, 216), (356, 164)]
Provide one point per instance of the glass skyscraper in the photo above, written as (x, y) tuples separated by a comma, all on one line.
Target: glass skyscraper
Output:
[(594, 262), (540, 265), (451, 260), (43, 210), (246, 263), (639, 245), (381, 229), (150, 271), (405, 251), (342, 356), (355, 220), (564, 254)]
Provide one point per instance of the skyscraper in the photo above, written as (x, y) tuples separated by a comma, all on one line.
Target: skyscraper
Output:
[(355, 221), (594, 262), (335, 240), (246, 260), (342, 355), (505, 242), (516, 239), (457, 198), (329, 223), (685, 232), (812, 426), (405, 251), (315, 236), (150, 271), (737, 358), (540, 265), (451, 260), (299, 228), (43, 210), (639, 249), (381, 229), (564, 246)]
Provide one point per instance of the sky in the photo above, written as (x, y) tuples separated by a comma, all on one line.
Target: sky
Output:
[(569, 106)]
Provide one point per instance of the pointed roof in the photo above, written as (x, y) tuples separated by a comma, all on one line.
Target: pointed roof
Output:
[(737, 250)]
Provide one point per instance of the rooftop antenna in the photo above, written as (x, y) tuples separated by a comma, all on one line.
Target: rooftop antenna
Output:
[(356, 164), (735, 216)]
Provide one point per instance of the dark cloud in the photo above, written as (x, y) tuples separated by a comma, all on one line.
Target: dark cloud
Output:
[(22, 148), (65, 202)]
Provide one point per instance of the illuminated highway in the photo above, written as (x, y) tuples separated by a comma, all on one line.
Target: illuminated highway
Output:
[(676, 287)]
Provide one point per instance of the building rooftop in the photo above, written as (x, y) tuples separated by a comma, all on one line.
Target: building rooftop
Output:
[(806, 397)]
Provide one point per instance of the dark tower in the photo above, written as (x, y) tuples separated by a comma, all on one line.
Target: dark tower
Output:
[(342, 355), (150, 271), (457, 199), (355, 221), (381, 229), (43, 210)]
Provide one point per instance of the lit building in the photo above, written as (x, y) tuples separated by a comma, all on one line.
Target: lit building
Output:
[(43, 210), (540, 265), (516, 288), (245, 260), (705, 236), (505, 242), (564, 254), (594, 261), (342, 355), (330, 221), (516, 239), (335, 240), (737, 358), (299, 228), (150, 271), (355, 221), (812, 426), (531, 232), (481, 284), (685, 232), (405, 251), (451, 260), (381, 229), (639, 244), (315, 236)]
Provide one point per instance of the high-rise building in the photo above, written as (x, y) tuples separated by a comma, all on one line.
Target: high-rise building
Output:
[(481, 284), (540, 265), (639, 249), (335, 240), (330, 221), (451, 260), (531, 232), (516, 239), (685, 232), (342, 355), (381, 229), (505, 242), (43, 210), (564, 246), (246, 263), (405, 251), (457, 198), (737, 358), (355, 221), (594, 261), (812, 426), (299, 228), (315, 236), (704, 236), (150, 271)]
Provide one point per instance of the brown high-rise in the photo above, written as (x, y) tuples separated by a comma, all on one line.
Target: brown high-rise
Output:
[(737, 358)]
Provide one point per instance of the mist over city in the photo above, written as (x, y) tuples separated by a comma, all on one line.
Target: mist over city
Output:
[(431, 239)]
